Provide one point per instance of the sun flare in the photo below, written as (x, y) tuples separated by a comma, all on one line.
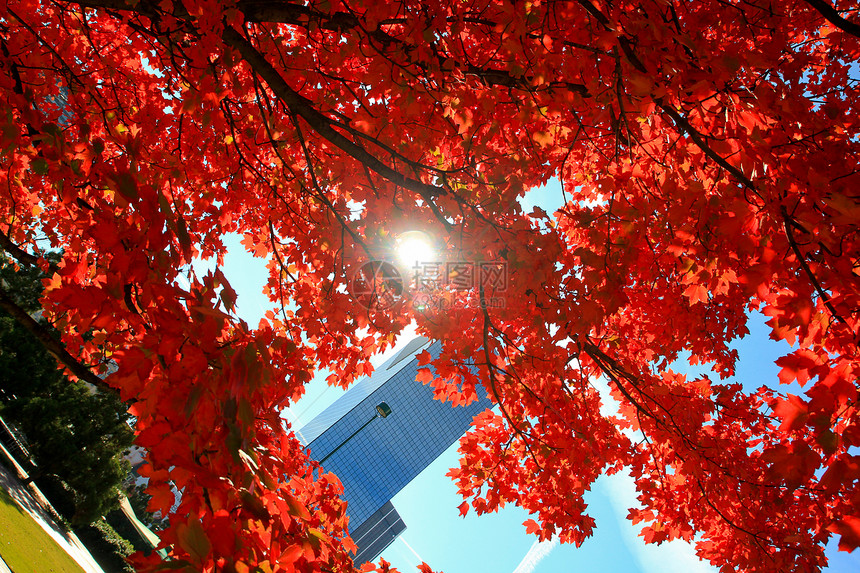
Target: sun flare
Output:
[(415, 248)]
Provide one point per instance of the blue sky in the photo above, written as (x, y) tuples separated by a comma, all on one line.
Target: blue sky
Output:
[(497, 542)]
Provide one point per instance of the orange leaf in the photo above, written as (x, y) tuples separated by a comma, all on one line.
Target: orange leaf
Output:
[(424, 375), (464, 508)]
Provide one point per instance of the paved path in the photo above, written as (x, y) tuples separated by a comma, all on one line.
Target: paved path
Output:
[(34, 506)]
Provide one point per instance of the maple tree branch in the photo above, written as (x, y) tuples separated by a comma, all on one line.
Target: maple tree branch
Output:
[(491, 370), (319, 192), (699, 140), (323, 125), (48, 46), (41, 333), (264, 12), (138, 7), (51, 344), (613, 371), (831, 15), (287, 13), (805, 266), (284, 269), (595, 11), (757, 539), (680, 121), (17, 252), (834, 17), (295, 102)]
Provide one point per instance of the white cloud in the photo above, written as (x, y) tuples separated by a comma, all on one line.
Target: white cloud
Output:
[(676, 556), (536, 553)]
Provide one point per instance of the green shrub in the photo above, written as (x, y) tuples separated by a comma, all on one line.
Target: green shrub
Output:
[(106, 546), (124, 528)]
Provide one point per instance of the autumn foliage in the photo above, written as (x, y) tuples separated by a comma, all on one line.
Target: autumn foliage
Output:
[(708, 153)]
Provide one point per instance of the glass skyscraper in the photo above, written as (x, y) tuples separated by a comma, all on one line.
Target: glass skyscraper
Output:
[(389, 452)]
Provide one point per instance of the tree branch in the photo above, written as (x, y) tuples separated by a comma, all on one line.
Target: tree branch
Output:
[(805, 266), (17, 252), (832, 15), (51, 344), (265, 12), (700, 142), (323, 125)]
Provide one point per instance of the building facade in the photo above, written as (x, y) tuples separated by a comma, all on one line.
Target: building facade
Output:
[(385, 455)]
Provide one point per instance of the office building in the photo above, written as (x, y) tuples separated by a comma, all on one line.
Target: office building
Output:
[(375, 461)]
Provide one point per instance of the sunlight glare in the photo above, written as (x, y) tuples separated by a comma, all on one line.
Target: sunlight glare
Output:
[(415, 248)]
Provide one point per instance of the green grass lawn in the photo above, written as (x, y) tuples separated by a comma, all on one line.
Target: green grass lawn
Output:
[(25, 546)]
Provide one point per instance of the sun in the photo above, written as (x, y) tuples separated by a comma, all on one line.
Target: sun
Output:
[(415, 248)]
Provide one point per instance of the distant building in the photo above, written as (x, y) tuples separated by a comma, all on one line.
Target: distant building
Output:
[(135, 456), (387, 454)]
